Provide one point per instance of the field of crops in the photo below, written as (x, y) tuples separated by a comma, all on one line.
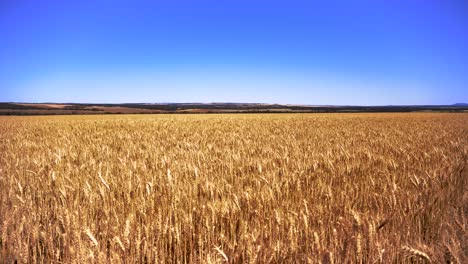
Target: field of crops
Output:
[(242, 188)]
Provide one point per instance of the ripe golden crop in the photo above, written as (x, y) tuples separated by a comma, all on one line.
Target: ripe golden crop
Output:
[(242, 188)]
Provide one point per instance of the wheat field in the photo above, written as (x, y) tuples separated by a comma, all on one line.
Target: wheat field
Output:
[(236, 188)]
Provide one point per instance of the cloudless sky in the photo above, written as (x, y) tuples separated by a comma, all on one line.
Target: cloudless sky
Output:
[(359, 52)]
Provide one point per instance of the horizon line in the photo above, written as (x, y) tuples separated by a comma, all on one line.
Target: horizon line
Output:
[(239, 103)]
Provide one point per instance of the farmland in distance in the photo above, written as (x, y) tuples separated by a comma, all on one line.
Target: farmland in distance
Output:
[(241, 188)]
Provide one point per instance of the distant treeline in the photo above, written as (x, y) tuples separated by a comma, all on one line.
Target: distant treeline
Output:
[(240, 106), (17, 106), (13, 106), (188, 108)]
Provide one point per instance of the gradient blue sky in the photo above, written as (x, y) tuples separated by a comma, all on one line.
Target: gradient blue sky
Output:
[(298, 52)]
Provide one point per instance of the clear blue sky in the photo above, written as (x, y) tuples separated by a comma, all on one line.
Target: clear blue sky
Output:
[(357, 52)]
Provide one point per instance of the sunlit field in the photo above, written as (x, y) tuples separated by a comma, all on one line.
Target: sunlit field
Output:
[(237, 188)]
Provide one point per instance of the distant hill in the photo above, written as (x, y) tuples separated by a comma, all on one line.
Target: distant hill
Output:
[(192, 108)]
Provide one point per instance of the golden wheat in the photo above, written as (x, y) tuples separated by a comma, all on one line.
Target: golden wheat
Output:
[(239, 188)]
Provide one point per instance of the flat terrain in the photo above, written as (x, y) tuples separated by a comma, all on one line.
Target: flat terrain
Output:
[(329, 188)]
